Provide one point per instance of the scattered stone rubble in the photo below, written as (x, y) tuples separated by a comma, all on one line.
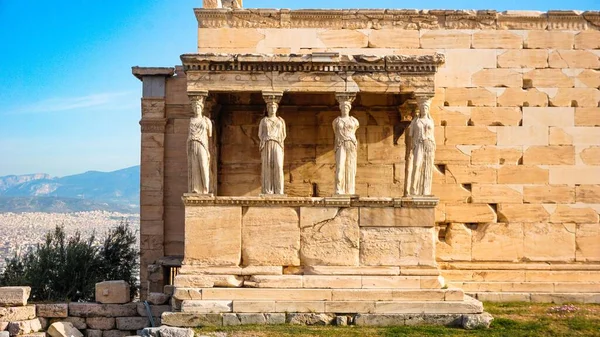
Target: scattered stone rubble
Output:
[(113, 316)]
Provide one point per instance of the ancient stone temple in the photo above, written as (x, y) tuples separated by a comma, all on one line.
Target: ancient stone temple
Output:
[(372, 163)]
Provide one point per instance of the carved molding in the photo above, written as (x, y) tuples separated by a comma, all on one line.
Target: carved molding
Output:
[(317, 72), (272, 96), (154, 125), (396, 19), (190, 199)]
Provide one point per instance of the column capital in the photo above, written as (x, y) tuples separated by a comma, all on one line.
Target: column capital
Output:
[(272, 96), (198, 95), (345, 96), (424, 101)]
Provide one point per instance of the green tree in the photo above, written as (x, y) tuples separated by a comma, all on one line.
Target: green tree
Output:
[(64, 268)]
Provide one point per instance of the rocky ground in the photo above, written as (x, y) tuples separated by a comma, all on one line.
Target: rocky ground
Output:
[(20, 231)]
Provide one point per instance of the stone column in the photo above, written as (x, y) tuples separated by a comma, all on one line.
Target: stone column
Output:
[(199, 146), (153, 124), (422, 146), (272, 133), (345, 146)]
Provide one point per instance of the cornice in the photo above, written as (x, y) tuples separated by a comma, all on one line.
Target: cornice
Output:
[(153, 125), (316, 62), (396, 18)]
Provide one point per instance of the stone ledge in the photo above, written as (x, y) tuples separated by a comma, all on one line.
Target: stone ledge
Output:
[(417, 202), (396, 19), (181, 319)]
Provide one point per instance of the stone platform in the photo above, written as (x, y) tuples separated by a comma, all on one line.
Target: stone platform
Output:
[(272, 260)]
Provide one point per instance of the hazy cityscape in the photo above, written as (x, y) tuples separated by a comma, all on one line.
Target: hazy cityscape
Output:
[(21, 231)]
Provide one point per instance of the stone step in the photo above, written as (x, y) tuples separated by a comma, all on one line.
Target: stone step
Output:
[(500, 275), (340, 294), (529, 287), (310, 281), (467, 306), (493, 296)]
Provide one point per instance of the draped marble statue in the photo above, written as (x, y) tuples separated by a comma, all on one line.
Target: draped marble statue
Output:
[(272, 133), (345, 146), (198, 147), (421, 153)]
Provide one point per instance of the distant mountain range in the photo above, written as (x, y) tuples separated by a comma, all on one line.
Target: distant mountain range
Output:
[(111, 191)]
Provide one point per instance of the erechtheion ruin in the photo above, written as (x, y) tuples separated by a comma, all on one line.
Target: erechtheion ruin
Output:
[(373, 162)]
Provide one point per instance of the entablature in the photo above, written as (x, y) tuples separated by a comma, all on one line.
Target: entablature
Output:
[(317, 72), (396, 19)]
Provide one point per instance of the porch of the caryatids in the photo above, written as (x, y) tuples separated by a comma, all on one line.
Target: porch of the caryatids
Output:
[(420, 149)]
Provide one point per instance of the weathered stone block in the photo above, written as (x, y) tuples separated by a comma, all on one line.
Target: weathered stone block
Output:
[(344, 38), (574, 213), (572, 175), (521, 174), (503, 78), (539, 194), (396, 217), (547, 78), (498, 242), (451, 39), (580, 135), (11, 314), (587, 39), (589, 78), (245, 38), (14, 296), (501, 116), (470, 135), (102, 310), (586, 243), (394, 38), (24, 327), (471, 97), (549, 155), (469, 213), (279, 245), (397, 246), (587, 116), (329, 236), (331, 281), (497, 39), (587, 194), (456, 245), (578, 97), (202, 281), (493, 194), (523, 58), (115, 333), (549, 242), (213, 235), (78, 322), (521, 135), (542, 39), (274, 281), (522, 213), (563, 117), (100, 323), (113, 292), (184, 319), (491, 155), (520, 97), (460, 174), (573, 59), (157, 298), (299, 306), (63, 329)]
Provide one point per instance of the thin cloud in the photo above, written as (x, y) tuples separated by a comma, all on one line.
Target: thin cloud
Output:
[(110, 100)]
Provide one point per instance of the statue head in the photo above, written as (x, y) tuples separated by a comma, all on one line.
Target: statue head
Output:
[(198, 104), (345, 107), (272, 108), (424, 103)]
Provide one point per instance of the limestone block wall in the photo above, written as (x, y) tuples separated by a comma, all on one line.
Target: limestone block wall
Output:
[(518, 137)]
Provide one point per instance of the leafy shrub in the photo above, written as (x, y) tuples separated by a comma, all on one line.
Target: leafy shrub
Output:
[(64, 268)]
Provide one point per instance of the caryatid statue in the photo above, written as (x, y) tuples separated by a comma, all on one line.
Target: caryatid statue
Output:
[(198, 146), (272, 133), (421, 149), (345, 146)]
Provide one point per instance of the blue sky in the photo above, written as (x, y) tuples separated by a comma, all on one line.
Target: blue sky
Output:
[(68, 101)]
